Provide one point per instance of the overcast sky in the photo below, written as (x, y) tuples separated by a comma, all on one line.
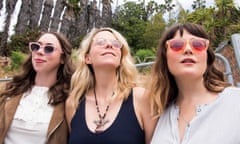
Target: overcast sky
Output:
[(187, 4)]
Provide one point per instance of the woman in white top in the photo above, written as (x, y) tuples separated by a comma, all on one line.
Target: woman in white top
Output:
[(32, 104), (189, 95)]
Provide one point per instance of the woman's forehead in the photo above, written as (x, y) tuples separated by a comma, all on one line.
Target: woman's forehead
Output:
[(185, 34), (104, 34)]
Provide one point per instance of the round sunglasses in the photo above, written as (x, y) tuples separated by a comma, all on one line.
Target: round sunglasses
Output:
[(103, 42), (35, 46), (197, 44)]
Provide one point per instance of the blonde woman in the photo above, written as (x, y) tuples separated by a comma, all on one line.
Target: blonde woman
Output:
[(105, 105)]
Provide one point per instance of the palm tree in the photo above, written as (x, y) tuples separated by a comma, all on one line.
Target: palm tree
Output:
[(46, 15), (56, 18), (1, 4), (227, 16), (199, 4), (106, 12), (10, 6), (35, 12)]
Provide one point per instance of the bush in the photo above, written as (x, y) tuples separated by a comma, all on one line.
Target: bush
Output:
[(19, 42), (145, 55), (17, 59), (142, 56)]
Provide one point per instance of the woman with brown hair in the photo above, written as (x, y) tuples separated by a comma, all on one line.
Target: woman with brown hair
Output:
[(32, 104), (189, 95)]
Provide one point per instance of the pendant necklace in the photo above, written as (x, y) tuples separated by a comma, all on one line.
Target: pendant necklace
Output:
[(102, 121), (185, 121)]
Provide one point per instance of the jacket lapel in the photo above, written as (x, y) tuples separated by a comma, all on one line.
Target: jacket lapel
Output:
[(10, 109), (57, 118)]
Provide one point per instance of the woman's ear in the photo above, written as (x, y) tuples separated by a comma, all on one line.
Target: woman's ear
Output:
[(88, 59), (62, 60)]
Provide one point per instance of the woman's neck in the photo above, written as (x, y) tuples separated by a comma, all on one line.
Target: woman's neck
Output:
[(46, 80), (193, 92), (106, 83)]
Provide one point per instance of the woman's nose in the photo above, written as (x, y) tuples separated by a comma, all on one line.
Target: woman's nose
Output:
[(40, 50), (109, 44), (188, 49)]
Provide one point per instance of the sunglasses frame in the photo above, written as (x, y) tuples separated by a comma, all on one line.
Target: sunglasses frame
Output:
[(97, 42), (190, 42), (40, 46)]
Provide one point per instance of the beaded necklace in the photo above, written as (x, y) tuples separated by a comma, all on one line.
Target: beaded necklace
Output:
[(102, 121)]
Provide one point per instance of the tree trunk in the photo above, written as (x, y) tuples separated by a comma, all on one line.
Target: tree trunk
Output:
[(23, 17), (106, 13), (66, 23), (35, 9), (59, 8), (82, 18), (46, 15), (98, 19), (1, 4), (10, 5), (75, 25), (92, 14)]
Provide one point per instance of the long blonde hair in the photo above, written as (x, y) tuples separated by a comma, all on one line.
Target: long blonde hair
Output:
[(83, 78)]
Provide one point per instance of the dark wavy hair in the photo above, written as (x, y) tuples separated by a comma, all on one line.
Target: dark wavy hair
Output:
[(60, 90), (163, 89)]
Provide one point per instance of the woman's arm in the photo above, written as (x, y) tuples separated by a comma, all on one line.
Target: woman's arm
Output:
[(142, 108), (69, 111)]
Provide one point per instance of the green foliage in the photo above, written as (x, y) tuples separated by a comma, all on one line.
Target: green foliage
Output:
[(75, 55), (220, 22), (17, 59), (206, 18), (142, 25), (76, 42), (73, 7), (145, 55), (153, 31), (227, 19), (132, 21), (19, 42)]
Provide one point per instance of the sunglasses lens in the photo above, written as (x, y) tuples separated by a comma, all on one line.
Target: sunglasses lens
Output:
[(48, 49), (103, 42), (116, 44), (34, 47), (100, 42), (198, 44), (176, 45)]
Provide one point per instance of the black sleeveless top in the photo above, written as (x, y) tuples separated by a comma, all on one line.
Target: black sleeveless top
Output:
[(124, 130)]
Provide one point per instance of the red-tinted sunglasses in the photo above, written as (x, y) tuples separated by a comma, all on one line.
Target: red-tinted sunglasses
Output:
[(197, 44), (35, 46)]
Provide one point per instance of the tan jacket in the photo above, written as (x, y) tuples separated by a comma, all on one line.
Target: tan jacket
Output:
[(57, 130)]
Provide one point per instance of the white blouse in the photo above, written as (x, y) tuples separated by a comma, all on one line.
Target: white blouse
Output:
[(32, 117), (215, 123)]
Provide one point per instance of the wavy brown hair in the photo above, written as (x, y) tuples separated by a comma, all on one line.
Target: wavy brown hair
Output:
[(163, 89), (25, 81)]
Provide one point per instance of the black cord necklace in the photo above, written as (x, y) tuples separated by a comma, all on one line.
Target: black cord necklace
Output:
[(102, 121)]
